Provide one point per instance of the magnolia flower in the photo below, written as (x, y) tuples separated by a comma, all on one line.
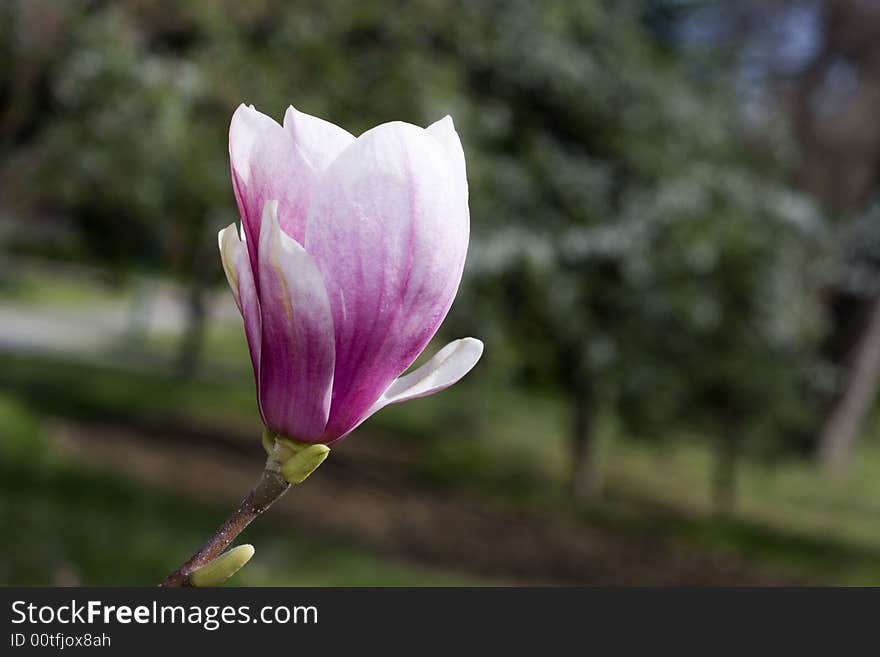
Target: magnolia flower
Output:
[(350, 254)]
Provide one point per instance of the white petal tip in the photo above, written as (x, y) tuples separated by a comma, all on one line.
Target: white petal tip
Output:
[(225, 233), (445, 368), (473, 344), (230, 246), (290, 114)]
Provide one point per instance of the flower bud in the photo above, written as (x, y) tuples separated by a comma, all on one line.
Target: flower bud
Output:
[(217, 571)]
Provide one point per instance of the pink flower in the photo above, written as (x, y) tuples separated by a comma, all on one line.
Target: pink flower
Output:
[(350, 255)]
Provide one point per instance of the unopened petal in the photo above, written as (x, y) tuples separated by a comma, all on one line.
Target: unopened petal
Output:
[(297, 340), (389, 239), (444, 132), (319, 141), (266, 165), (230, 248), (237, 267)]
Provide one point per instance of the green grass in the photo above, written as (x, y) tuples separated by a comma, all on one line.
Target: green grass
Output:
[(789, 517), (486, 437), (64, 524), (493, 441), (68, 525), (224, 346), (35, 287), (81, 389)]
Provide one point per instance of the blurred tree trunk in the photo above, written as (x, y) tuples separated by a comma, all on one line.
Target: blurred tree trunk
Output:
[(192, 344), (586, 485), (724, 480), (845, 421), (141, 311)]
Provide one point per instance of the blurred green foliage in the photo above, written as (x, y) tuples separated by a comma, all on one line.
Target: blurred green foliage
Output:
[(626, 245)]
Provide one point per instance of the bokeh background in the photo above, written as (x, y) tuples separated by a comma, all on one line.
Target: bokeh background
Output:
[(675, 267)]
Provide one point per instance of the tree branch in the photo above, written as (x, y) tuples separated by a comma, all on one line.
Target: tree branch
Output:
[(269, 488)]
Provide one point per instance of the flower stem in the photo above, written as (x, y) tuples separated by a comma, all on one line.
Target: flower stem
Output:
[(269, 488)]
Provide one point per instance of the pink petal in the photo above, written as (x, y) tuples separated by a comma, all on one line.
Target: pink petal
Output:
[(389, 234), (297, 351), (444, 132), (318, 141), (445, 368), (271, 162)]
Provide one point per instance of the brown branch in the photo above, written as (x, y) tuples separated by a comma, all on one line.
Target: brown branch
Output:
[(269, 488)]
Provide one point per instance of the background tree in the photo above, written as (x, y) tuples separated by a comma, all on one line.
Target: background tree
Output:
[(813, 70), (634, 250), (642, 246)]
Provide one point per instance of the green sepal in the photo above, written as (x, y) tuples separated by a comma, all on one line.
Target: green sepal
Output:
[(220, 569), (304, 462)]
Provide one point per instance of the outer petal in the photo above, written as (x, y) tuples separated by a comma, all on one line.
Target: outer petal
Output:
[(297, 356), (444, 132), (230, 249), (271, 162), (318, 141), (236, 264), (389, 235), (445, 368)]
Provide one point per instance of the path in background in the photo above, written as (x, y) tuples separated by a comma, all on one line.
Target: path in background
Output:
[(365, 494), (100, 321)]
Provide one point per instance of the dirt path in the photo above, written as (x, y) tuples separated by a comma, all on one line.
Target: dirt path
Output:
[(91, 327), (362, 494)]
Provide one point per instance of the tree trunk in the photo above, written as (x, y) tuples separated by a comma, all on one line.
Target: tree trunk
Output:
[(191, 346), (141, 311), (587, 474), (724, 482), (842, 427), (192, 343)]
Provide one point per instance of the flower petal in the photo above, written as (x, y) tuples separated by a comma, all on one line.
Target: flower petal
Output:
[(445, 368), (390, 241), (230, 248), (297, 357), (236, 264), (271, 162), (319, 141), (444, 132)]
